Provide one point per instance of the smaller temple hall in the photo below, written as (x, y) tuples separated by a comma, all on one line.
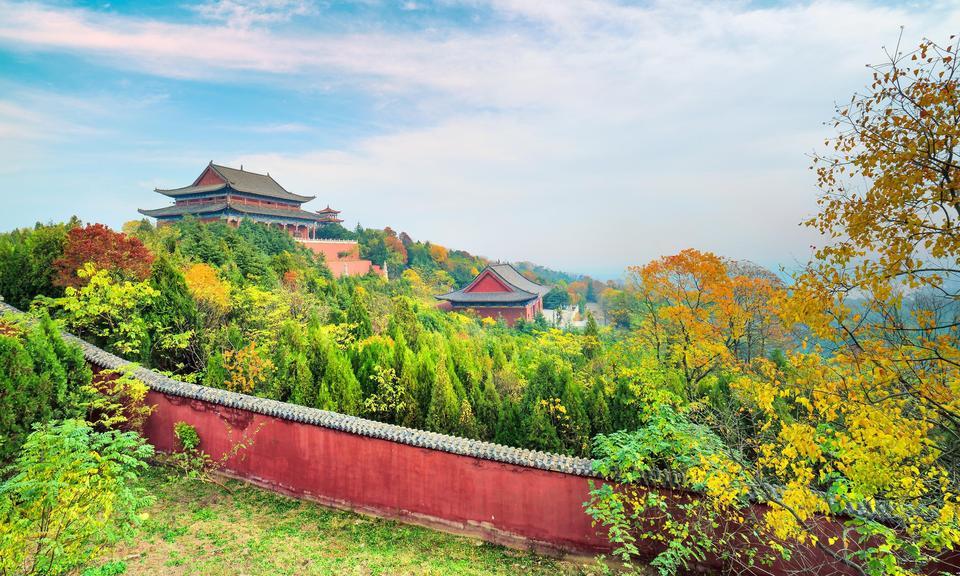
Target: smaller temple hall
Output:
[(499, 291)]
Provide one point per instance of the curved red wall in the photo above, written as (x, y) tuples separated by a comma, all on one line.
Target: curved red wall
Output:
[(500, 502)]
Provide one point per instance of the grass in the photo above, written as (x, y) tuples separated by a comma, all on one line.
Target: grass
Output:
[(196, 528)]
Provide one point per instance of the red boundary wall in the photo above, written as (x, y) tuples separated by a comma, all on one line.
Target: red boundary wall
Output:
[(503, 503)]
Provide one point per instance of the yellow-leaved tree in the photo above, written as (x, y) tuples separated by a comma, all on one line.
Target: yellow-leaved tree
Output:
[(864, 425)]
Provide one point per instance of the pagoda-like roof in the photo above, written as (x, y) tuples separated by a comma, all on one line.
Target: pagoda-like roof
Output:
[(239, 180), (328, 210), (518, 288), (214, 207)]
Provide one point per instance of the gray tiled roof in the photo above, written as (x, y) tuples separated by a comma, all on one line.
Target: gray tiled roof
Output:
[(242, 181), (208, 208), (514, 277), (181, 209), (882, 510)]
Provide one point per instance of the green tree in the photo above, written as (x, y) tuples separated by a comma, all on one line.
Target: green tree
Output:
[(444, 412), (26, 262), (357, 314), (108, 312), (41, 378), (71, 489), (174, 321)]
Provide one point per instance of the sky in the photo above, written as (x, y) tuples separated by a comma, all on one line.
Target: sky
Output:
[(585, 136)]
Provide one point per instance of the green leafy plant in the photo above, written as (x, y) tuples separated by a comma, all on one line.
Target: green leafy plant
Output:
[(69, 487), (193, 463)]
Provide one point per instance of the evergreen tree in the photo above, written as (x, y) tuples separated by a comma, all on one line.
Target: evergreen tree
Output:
[(444, 413), (26, 262), (466, 422), (624, 409), (575, 431), (404, 322), (591, 337), (509, 431), (292, 377), (339, 379), (488, 408), (215, 374), (174, 321), (358, 315), (539, 431), (600, 422), (40, 380)]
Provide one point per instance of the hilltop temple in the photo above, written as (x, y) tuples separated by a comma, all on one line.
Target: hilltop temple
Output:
[(223, 193), (499, 291)]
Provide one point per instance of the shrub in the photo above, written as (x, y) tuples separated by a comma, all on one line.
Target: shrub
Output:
[(70, 487)]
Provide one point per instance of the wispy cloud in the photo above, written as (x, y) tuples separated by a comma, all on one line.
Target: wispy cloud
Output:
[(588, 134), (248, 13), (281, 128)]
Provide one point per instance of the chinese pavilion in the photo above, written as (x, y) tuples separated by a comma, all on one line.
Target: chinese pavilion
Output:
[(499, 291), (223, 193)]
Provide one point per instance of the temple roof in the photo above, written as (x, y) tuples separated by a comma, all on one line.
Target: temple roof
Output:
[(328, 210), (241, 181), (213, 207), (521, 289)]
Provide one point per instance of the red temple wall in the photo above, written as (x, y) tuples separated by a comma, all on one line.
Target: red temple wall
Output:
[(500, 502), (489, 284)]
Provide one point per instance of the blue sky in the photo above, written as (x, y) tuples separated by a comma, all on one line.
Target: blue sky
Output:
[(585, 136)]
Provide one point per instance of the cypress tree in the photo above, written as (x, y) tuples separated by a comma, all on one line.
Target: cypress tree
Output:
[(466, 422), (358, 315), (344, 389), (215, 375), (404, 322), (599, 411), (488, 408), (540, 433), (510, 426), (576, 432), (38, 382), (444, 412)]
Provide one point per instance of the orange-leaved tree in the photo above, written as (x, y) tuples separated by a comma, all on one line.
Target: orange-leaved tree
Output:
[(702, 313)]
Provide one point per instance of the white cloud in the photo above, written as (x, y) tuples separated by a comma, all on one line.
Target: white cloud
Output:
[(247, 13), (584, 135)]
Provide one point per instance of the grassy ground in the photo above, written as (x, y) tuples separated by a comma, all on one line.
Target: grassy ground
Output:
[(196, 528)]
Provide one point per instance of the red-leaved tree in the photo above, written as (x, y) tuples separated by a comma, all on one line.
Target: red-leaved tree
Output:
[(116, 252)]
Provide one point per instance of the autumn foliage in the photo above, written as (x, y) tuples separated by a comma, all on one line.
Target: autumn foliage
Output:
[(122, 256)]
